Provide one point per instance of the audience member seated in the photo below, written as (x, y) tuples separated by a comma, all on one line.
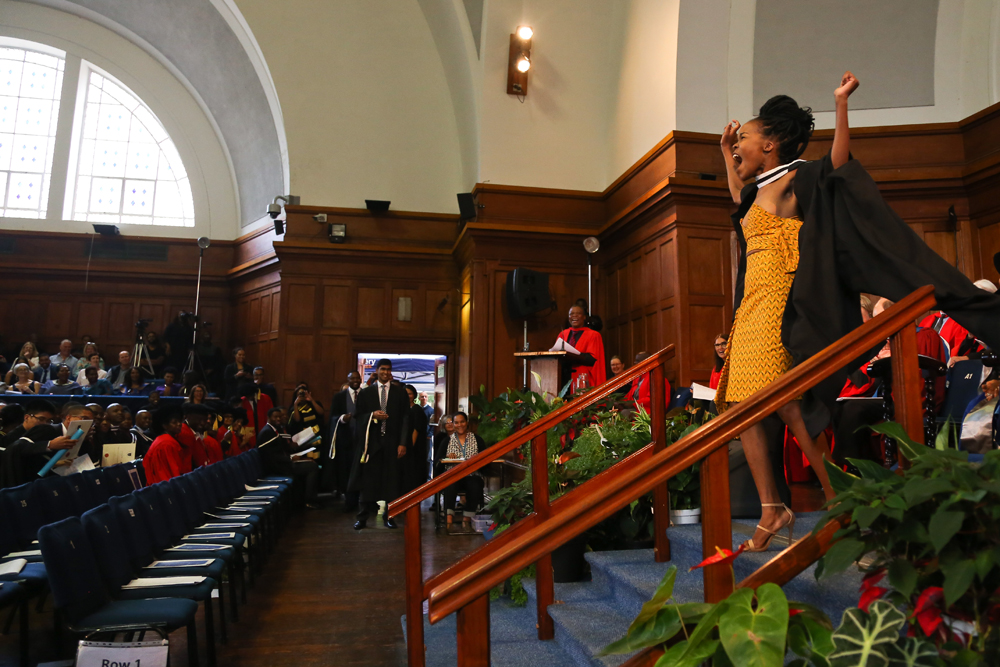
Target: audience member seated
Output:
[(35, 412), (263, 386), (640, 393), (135, 383), (93, 361), (24, 381), (61, 384), (44, 371), (719, 354), (463, 445), (118, 432), (84, 360), (157, 353), (94, 384), (617, 368), (154, 401), (65, 355), (961, 343), (198, 394), (237, 373), (26, 457), (28, 355), (140, 430), (277, 452), (977, 423), (188, 382), (167, 456), (118, 375), (169, 386), (446, 426)]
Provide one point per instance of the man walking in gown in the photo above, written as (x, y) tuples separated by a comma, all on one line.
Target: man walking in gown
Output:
[(382, 435)]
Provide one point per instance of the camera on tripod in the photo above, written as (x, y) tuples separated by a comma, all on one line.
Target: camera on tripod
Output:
[(141, 325)]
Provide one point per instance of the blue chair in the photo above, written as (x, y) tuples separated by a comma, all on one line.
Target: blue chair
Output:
[(109, 546), (149, 541), (13, 594), (117, 480), (680, 398), (95, 488), (83, 603), (57, 498), (964, 379), (23, 505)]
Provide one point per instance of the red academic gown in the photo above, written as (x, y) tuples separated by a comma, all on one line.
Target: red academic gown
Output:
[(167, 458), (195, 445), (258, 416), (640, 392), (590, 342), (234, 442), (953, 333)]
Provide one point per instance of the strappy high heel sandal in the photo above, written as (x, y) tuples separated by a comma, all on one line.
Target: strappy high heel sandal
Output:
[(750, 546)]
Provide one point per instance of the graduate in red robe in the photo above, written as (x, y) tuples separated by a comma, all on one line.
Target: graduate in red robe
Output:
[(195, 422), (587, 342), (640, 391), (256, 405), (167, 456)]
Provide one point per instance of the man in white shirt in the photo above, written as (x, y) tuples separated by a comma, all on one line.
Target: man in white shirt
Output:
[(95, 362), (65, 355)]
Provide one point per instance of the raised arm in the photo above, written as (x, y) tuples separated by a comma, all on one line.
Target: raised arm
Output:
[(730, 136), (841, 151)]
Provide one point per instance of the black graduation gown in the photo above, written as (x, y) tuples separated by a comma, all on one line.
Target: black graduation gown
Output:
[(29, 454), (340, 467), (851, 241), (414, 464), (275, 451), (378, 479)]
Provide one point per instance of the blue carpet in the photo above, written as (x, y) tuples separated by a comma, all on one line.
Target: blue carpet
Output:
[(589, 615)]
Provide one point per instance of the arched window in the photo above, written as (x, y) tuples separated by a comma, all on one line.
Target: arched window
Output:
[(30, 87), (127, 169)]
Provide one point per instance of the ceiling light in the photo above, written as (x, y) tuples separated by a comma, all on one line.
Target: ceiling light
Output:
[(525, 32), (523, 64)]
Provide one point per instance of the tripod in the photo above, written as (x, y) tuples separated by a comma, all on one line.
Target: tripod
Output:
[(193, 359), (140, 351)]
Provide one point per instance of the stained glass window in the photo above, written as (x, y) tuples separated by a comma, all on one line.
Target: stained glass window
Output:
[(30, 86), (128, 170)]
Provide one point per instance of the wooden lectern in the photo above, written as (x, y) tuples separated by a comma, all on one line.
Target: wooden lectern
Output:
[(544, 371)]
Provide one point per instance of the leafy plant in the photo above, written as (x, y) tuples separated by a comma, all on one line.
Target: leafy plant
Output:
[(761, 628), (934, 533)]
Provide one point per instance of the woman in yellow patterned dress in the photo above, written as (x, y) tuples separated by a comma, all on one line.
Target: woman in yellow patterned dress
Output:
[(766, 149)]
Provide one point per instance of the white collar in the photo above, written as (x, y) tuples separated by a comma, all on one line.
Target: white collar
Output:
[(774, 174), (383, 384)]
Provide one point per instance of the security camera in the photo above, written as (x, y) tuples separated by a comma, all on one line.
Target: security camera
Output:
[(274, 210), (320, 217)]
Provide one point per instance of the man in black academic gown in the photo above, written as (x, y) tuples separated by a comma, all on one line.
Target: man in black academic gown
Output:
[(414, 464), (26, 457), (276, 452), (343, 409), (382, 435), (143, 420)]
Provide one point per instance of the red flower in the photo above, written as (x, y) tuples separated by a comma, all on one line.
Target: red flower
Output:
[(567, 457), (493, 526), (928, 611), (792, 611), (721, 556), (872, 578), (869, 595)]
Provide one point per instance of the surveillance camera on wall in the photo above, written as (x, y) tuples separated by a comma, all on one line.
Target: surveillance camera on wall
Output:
[(274, 210)]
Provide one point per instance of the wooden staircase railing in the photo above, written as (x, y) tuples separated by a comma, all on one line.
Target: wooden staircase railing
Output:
[(464, 587)]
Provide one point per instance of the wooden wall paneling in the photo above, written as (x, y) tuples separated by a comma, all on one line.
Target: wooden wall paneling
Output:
[(705, 265), (90, 319), (439, 311), (336, 306), (705, 321), (263, 324), (275, 309), (58, 317), (301, 305), (120, 326), (988, 245), (335, 362), (371, 308), (299, 364)]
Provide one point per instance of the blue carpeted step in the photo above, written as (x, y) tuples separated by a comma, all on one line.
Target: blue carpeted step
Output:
[(513, 640), (589, 615)]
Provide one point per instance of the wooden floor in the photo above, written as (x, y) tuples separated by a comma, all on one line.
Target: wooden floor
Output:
[(329, 596)]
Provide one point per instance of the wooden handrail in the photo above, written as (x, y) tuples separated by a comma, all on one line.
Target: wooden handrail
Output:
[(529, 432), (588, 504)]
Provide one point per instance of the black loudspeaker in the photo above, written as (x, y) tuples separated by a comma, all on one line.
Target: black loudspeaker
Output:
[(377, 205), (527, 293), (466, 206), (279, 227)]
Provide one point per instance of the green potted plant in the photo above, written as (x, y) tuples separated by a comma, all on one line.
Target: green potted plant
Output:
[(930, 538)]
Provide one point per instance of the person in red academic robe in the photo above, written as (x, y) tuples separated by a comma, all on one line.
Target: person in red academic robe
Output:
[(640, 392), (167, 456), (195, 421), (591, 372), (256, 404)]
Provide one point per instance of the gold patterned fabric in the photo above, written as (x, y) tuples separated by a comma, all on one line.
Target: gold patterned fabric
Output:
[(755, 356)]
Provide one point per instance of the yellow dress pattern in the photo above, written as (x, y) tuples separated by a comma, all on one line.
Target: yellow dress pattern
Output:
[(755, 356)]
